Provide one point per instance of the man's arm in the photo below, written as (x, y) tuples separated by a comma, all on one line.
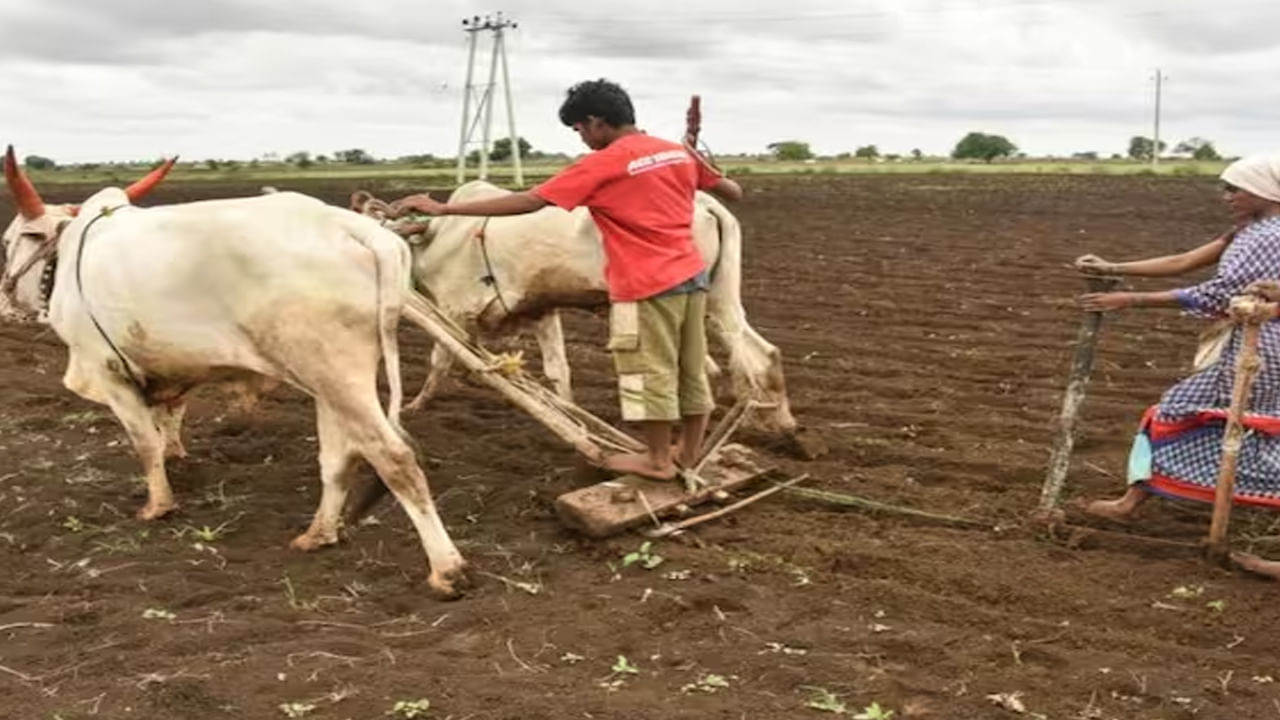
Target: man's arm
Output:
[(726, 189), (723, 187), (514, 204)]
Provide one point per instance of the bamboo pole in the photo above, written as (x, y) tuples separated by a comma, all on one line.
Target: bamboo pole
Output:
[(1081, 368), (422, 313), (1251, 313)]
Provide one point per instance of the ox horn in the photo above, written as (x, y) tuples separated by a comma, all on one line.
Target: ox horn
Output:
[(139, 189), (24, 193)]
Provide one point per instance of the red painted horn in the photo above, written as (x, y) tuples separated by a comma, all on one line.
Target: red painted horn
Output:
[(139, 189), (24, 193)]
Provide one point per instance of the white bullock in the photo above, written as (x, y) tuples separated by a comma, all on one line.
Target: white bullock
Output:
[(502, 273), (154, 302)]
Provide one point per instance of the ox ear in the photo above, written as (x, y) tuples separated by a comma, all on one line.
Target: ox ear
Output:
[(24, 193), (139, 189)]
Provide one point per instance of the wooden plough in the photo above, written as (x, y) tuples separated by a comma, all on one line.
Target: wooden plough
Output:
[(618, 504)]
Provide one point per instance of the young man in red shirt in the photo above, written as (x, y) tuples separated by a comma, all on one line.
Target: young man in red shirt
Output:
[(640, 192)]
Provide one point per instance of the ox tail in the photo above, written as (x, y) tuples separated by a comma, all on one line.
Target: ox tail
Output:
[(393, 262)]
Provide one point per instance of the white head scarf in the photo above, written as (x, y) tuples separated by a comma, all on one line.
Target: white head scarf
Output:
[(1259, 174)]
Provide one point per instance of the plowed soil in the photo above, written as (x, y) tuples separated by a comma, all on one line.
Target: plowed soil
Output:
[(927, 328)]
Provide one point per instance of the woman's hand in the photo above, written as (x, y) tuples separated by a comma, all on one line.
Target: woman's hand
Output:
[(1266, 289), (1105, 302), (1095, 265)]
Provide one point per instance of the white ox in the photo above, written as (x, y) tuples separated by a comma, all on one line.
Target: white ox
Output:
[(154, 302), (553, 258)]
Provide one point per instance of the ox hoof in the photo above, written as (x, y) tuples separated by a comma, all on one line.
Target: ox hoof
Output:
[(156, 510), (177, 451), (309, 541), (449, 584)]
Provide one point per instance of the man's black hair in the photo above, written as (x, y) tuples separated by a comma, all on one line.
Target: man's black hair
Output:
[(601, 98)]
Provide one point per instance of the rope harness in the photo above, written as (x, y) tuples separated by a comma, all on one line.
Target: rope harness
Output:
[(105, 212)]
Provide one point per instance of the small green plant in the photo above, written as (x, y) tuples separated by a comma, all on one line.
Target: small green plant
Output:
[(1184, 591), (645, 556), (874, 712), (296, 709), (707, 683), (624, 666), (1216, 605), (410, 708), (73, 523), (826, 701), (158, 614)]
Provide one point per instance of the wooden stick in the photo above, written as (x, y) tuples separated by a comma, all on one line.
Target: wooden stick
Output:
[(1086, 346), (672, 528), (422, 313), (1252, 313)]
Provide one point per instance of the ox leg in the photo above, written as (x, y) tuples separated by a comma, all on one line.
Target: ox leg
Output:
[(149, 443), (441, 363), (755, 365), (168, 417), (555, 362), (374, 438), (337, 460)]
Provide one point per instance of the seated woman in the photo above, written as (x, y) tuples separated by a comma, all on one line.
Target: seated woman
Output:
[(1177, 450)]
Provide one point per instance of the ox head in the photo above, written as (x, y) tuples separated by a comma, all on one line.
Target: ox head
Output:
[(415, 229), (29, 246)]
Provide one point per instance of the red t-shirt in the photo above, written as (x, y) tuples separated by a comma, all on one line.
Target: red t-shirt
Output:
[(639, 190)]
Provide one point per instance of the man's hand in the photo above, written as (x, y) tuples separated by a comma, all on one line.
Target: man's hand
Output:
[(1095, 265), (1105, 302), (421, 203)]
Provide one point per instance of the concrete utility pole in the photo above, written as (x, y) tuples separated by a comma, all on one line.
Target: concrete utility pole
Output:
[(1155, 140), (483, 111)]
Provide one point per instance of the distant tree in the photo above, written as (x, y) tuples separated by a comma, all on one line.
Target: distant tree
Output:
[(981, 146), (502, 149), (867, 151), (302, 159), (1198, 148), (322, 159), (1140, 147), (1086, 155), (354, 156), (916, 153), (892, 157), (212, 164), (37, 162), (1116, 156), (790, 150)]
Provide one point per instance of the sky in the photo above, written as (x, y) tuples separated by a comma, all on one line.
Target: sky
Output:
[(106, 80)]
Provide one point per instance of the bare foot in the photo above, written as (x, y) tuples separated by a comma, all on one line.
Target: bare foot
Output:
[(1117, 510), (640, 464), (1255, 564), (156, 510)]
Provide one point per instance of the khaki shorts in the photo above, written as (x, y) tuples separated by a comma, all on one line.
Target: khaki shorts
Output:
[(660, 353)]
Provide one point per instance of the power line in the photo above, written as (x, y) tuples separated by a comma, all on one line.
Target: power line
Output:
[(497, 26)]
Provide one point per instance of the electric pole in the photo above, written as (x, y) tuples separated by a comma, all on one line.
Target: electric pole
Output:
[(483, 111), (1155, 140)]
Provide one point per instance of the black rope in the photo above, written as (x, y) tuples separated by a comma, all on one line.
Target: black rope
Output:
[(80, 287), (490, 278)]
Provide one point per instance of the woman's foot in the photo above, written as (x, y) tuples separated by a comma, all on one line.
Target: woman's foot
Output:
[(1120, 509), (1255, 564)]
